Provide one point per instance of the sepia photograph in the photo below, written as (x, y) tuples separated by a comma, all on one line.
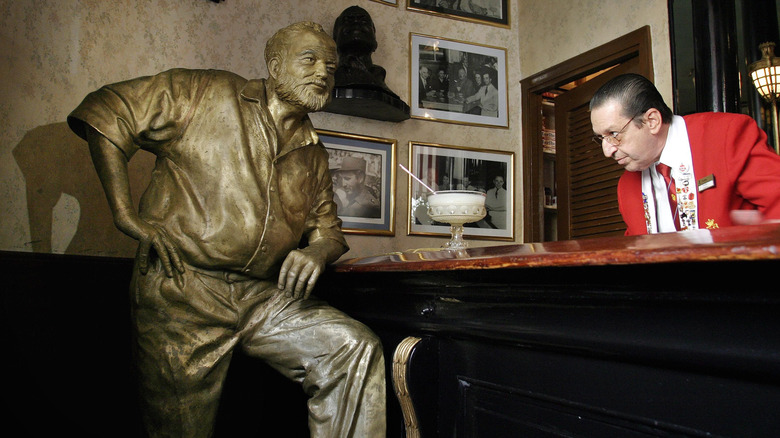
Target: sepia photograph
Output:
[(494, 12), (363, 173), (444, 167), (458, 82)]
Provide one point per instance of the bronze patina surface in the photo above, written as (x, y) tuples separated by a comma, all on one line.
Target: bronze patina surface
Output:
[(240, 180)]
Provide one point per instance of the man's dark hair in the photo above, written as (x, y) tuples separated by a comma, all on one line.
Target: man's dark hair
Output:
[(635, 94)]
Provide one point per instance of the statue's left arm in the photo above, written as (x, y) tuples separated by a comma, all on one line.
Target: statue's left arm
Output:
[(302, 267)]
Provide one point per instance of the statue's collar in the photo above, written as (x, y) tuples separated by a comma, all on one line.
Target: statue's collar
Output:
[(254, 90)]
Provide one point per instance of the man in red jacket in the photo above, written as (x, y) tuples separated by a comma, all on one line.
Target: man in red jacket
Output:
[(720, 170)]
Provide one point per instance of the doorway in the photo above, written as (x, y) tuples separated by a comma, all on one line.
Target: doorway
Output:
[(570, 189)]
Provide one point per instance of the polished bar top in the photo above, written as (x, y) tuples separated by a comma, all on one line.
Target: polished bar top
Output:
[(755, 242)]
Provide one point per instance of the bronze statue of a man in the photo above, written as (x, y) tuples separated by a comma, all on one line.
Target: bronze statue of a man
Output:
[(240, 180)]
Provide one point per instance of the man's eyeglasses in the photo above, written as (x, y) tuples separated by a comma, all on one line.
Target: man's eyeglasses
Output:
[(611, 138)]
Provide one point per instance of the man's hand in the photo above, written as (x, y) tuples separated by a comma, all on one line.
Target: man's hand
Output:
[(111, 166), (750, 217), (300, 272), (746, 217), (152, 236)]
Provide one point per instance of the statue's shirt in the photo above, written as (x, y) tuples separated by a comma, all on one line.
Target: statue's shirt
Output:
[(219, 188)]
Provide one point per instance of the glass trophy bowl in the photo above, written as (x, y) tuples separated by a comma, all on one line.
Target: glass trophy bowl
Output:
[(456, 207)]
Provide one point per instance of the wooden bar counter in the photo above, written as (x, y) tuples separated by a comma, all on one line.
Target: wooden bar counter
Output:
[(667, 335)]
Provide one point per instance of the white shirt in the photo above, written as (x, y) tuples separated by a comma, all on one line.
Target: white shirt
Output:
[(677, 155)]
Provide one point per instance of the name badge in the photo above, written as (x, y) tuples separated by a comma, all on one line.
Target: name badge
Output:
[(705, 183)]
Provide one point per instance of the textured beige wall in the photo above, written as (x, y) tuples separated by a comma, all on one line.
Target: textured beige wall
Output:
[(552, 31), (55, 52)]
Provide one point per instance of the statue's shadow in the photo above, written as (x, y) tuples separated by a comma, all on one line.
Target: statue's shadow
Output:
[(56, 162)]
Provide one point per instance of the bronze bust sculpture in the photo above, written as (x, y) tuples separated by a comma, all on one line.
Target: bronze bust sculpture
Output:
[(360, 84), (355, 36), (241, 179)]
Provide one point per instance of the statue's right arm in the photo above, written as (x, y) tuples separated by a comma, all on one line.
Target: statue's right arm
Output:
[(111, 165)]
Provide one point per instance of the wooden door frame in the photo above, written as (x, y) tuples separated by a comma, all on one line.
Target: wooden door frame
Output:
[(597, 206), (633, 44)]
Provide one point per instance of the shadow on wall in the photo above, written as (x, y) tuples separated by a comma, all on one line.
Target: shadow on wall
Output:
[(56, 162)]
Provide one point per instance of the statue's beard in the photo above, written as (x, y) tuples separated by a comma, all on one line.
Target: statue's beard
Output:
[(300, 94)]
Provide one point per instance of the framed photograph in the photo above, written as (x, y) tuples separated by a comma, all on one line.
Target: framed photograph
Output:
[(444, 167), (387, 2), (363, 172), (457, 82), (494, 12)]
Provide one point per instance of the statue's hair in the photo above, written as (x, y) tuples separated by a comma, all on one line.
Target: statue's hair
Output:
[(278, 43)]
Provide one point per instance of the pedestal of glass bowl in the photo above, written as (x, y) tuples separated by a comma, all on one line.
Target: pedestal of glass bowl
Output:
[(456, 207)]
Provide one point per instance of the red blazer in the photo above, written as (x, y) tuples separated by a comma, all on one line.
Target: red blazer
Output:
[(733, 149)]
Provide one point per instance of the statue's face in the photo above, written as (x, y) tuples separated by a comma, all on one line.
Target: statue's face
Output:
[(305, 78)]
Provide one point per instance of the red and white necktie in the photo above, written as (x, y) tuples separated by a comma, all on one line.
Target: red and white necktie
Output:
[(666, 172)]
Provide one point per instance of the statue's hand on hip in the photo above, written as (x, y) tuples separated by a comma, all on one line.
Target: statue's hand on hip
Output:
[(150, 237)]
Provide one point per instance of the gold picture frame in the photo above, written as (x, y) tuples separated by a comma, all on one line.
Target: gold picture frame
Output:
[(370, 200), (446, 167), (447, 90), (492, 12), (393, 3)]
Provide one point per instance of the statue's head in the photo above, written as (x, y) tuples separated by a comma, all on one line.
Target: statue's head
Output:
[(354, 31), (302, 60)]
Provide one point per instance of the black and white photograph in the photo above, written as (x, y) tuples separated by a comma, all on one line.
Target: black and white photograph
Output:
[(444, 167), (458, 82), (494, 12), (362, 169)]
